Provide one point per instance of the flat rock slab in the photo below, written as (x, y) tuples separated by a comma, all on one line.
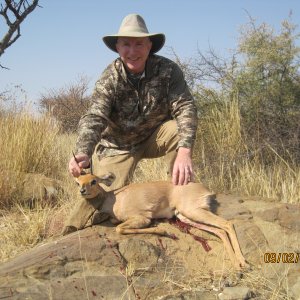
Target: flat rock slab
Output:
[(87, 287), (52, 259)]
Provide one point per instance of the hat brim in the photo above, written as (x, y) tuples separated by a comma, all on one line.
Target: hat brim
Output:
[(157, 39)]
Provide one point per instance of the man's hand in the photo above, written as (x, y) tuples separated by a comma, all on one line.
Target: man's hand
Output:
[(74, 167), (182, 169)]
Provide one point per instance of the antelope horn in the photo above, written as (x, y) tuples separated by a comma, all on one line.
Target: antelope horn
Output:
[(91, 163), (75, 157), (91, 166)]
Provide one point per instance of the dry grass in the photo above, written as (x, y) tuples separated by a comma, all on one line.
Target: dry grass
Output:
[(225, 164), (151, 170), (279, 181), (21, 229), (29, 143), (268, 289), (219, 146)]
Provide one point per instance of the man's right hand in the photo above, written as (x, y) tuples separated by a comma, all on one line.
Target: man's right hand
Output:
[(75, 168)]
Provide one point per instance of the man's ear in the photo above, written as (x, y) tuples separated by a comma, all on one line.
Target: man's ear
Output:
[(107, 179), (150, 45)]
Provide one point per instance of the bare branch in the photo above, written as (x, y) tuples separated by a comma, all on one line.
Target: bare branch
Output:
[(10, 6), (2, 67), (14, 13)]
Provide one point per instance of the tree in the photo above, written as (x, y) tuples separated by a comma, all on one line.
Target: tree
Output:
[(269, 85), (14, 13), (66, 105), (263, 76)]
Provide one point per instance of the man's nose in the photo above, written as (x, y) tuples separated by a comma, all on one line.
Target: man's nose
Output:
[(132, 49)]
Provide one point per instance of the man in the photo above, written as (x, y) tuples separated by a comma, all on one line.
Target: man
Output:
[(142, 108)]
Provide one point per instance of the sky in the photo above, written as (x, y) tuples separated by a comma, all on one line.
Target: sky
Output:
[(62, 41)]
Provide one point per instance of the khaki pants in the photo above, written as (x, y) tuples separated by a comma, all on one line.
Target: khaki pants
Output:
[(162, 142)]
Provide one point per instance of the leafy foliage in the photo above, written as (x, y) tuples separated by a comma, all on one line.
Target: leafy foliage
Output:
[(269, 85), (263, 76)]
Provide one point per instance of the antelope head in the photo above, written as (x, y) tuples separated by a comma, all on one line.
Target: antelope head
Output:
[(89, 184)]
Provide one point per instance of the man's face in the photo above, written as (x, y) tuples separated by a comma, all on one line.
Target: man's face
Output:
[(134, 52)]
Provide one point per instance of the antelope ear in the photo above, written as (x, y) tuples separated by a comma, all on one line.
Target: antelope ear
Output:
[(107, 179)]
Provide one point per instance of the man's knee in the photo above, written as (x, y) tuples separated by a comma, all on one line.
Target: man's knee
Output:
[(164, 140), (170, 129)]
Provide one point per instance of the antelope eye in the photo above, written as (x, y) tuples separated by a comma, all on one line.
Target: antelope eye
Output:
[(93, 182)]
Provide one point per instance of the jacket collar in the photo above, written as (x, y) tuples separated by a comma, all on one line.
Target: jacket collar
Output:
[(151, 69)]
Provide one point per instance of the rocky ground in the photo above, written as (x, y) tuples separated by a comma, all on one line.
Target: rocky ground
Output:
[(97, 263)]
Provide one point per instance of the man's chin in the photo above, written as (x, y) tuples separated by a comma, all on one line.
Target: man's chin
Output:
[(134, 68)]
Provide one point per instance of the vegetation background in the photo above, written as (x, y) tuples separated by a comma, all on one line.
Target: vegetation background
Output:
[(248, 134)]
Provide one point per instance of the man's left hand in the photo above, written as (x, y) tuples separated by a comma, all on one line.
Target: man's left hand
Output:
[(182, 169)]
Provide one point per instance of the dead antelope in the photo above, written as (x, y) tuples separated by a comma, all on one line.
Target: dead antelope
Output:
[(134, 206)]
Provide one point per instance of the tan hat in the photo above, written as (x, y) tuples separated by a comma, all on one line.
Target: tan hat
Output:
[(134, 25)]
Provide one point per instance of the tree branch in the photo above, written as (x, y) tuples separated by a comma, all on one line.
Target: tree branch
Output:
[(14, 13)]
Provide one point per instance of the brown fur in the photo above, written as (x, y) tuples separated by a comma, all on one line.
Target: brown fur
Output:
[(136, 204)]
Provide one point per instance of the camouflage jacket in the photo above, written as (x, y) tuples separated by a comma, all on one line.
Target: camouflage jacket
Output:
[(121, 117)]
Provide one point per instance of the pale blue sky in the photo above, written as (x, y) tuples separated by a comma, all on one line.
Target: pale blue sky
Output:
[(62, 41)]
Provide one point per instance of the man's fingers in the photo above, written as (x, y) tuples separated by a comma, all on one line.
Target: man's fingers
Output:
[(182, 175), (84, 164), (74, 169), (77, 163), (187, 175), (175, 176)]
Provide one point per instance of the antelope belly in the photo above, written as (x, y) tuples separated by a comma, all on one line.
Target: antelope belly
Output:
[(166, 212)]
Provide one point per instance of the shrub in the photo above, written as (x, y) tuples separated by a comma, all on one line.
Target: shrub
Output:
[(67, 104), (262, 76)]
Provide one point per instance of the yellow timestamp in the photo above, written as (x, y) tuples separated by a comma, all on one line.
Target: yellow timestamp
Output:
[(281, 257)]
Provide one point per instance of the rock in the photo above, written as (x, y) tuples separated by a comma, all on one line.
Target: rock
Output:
[(139, 254), (79, 264), (269, 215), (235, 293), (91, 287), (231, 207), (34, 188), (197, 295), (37, 188), (252, 240), (289, 216), (54, 258)]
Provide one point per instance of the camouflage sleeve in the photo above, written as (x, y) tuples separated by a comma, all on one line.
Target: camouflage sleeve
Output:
[(183, 108), (93, 123)]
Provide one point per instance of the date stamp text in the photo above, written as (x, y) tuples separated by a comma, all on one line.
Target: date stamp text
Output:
[(281, 257)]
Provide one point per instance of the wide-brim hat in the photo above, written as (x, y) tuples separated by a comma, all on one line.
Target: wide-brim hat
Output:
[(134, 25)]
